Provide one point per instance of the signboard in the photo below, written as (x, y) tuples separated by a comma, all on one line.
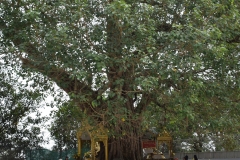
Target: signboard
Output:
[(148, 144)]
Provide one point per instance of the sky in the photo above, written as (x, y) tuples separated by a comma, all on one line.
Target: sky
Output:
[(45, 107), (45, 111)]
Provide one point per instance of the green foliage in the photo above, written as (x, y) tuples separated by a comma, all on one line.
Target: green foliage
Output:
[(18, 129), (172, 63), (65, 124)]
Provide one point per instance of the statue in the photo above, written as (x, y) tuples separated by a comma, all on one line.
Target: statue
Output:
[(88, 155)]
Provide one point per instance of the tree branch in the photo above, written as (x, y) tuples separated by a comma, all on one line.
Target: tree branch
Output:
[(145, 101), (234, 40), (58, 75)]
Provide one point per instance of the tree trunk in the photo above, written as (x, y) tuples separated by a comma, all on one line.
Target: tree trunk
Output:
[(127, 147), (125, 142)]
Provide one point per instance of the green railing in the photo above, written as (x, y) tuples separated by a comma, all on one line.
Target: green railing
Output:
[(45, 154)]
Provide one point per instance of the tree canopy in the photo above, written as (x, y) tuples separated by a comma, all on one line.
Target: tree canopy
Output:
[(132, 64)]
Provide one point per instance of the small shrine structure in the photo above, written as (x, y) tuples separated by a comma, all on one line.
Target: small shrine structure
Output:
[(93, 135), (165, 138), (152, 146)]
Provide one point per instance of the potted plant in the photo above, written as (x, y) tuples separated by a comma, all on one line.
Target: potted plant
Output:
[(87, 155), (77, 156)]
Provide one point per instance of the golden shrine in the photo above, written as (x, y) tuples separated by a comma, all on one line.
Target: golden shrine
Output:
[(165, 137), (94, 136)]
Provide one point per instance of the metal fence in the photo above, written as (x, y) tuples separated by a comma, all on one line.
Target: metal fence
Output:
[(44, 154), (37, 154)]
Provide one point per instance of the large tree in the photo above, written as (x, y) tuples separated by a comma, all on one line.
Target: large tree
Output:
[(117, 59)]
